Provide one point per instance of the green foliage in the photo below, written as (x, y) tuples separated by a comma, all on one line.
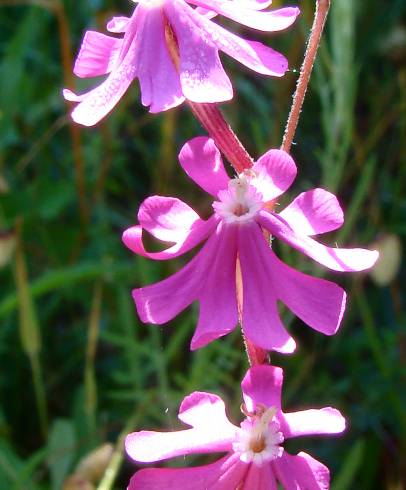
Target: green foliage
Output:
[(73, 354)]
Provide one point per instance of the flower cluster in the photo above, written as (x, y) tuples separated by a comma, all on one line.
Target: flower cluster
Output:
[(172, 47), (156, 29)]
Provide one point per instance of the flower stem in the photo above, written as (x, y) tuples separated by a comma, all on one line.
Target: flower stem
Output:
[(213, 121), (320, 15)]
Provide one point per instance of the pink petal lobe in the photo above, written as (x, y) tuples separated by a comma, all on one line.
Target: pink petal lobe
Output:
[(201, 160), (97, 103), (317, 302), (97, 56), (209, 14), (275, 172), (271, 21), (162, 301), (159, 81), (254, 4), (224, 474), (199, 231), (166, 218), (252, 54), (218, 291), (260, 478), (261, 321), (118, 24), (307, 422), (262, 385), (209, 278), (301, 472), (205, 409), (149, 446), (202, 76), (338, 259), (314, 212)]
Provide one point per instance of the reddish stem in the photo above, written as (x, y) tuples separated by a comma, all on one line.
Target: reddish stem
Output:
[(211, 118), (322, 8)]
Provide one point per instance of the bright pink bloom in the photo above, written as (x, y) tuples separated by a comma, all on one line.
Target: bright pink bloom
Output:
[(255, 457), (143, 53), (234, 231)]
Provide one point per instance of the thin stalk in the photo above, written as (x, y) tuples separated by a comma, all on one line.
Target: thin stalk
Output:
[(322, 8), (213, 121), (113, 468), (67, 62), (89, 375), (57, 8), (30, 334)]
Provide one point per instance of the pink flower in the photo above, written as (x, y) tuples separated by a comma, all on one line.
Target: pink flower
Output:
[(255, 458), (144, 53), (234, 232)]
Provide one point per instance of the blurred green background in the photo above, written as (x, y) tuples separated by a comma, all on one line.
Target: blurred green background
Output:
[(78, 370)]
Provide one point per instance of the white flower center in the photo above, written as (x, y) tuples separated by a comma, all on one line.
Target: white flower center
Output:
[(240, 203), (258, 439)]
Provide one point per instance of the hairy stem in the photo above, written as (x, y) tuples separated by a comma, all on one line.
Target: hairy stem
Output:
[(211, 118), (320, 15)]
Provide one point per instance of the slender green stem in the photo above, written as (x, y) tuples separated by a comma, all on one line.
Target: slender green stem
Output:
[(40, 394), (89, 376)]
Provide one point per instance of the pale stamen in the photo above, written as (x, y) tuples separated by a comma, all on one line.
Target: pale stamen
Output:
[(240, 203), (259, 438)]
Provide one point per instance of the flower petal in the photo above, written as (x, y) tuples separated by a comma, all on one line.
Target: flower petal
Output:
[(209, 278), (254, 4), (159, 80), (338, 259), (202, 76), (218, 304), (118, 24), (260, 478), (224, 474), (301, 472), (98, 55), (162, 301), (306, 422), (148, 446), (166, 218), (201, 160), (271, 21), (314, 212), (132, 238), (261, 322), (97, 103), (262, 385), (205, 409), (317, 302), (253, 54), (275, 172)]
